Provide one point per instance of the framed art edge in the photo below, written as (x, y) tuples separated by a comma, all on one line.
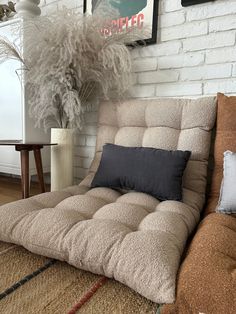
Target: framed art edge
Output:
[(149, 41), (187, 3)]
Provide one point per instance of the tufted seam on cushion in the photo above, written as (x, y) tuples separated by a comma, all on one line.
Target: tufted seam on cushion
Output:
[(189, 189), (177, 129), (133, 126), (110, 249), (11, 230), (182, 112), (126, 213), (118, 248), (83, 215), (145, 117), (36, 203), (193, 210), (138, 206), (183, 219), (39, 206), (166, 225), (181, 122), (203, 160), (187, 208), (154, 232), (81, 185), (185, 223), (173, 242), (137, 198), (105, 198), (132, 113), (89, 216), (177, 242), (47, 198), (77, 195), (116, 221), (98, 197), (117, 244), (22, 218)]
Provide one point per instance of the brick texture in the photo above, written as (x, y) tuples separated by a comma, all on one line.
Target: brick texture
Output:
[(213, 40)]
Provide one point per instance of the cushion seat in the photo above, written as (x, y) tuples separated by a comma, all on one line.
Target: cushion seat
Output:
[(102, 230), (130, 236)]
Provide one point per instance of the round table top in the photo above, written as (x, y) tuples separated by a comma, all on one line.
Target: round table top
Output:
[(16, 142)]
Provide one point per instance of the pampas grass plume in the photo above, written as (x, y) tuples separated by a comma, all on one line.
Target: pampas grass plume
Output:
[(70, 63)]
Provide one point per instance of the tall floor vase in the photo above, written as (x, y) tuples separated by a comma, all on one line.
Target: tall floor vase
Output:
[(61, 158)]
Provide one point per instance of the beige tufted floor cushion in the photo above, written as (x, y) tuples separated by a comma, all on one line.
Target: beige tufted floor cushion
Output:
[(129, 236)]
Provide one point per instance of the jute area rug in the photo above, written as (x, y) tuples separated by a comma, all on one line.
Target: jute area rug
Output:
[(32, 284)]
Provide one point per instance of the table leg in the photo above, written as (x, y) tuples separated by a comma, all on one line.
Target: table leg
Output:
[(39, 167), (25, 172)]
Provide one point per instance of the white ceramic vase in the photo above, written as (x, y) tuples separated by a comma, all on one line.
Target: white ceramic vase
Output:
[(61, 158)]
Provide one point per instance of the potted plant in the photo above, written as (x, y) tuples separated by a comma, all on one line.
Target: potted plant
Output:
[(68, 64)]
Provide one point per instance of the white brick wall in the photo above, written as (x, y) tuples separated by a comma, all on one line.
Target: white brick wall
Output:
[(184, 31), (181, 60), (211, 40), (51, 6), (234, 70), (195, 55)]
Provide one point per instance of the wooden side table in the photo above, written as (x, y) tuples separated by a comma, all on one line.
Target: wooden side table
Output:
[(24, 149)]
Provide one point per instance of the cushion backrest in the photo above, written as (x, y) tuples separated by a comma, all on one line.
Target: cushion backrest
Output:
[(169, 123), (225, 140)]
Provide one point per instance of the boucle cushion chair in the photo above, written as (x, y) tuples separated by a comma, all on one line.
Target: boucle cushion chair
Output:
[(207, 277), (131, 237)]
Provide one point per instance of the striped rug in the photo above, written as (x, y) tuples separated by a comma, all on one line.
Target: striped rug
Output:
[(32, 284)]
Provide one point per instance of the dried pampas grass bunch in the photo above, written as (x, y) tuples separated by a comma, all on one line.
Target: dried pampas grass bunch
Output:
[(70, 63), (9, 50)]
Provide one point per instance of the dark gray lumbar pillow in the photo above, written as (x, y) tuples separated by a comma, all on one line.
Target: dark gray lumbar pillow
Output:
[(153, 171), (227, 201)]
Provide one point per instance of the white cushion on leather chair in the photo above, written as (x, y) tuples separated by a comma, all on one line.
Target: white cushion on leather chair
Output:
[(227, 201)]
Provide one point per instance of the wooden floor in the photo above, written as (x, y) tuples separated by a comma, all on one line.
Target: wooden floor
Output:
[(10, 189)]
